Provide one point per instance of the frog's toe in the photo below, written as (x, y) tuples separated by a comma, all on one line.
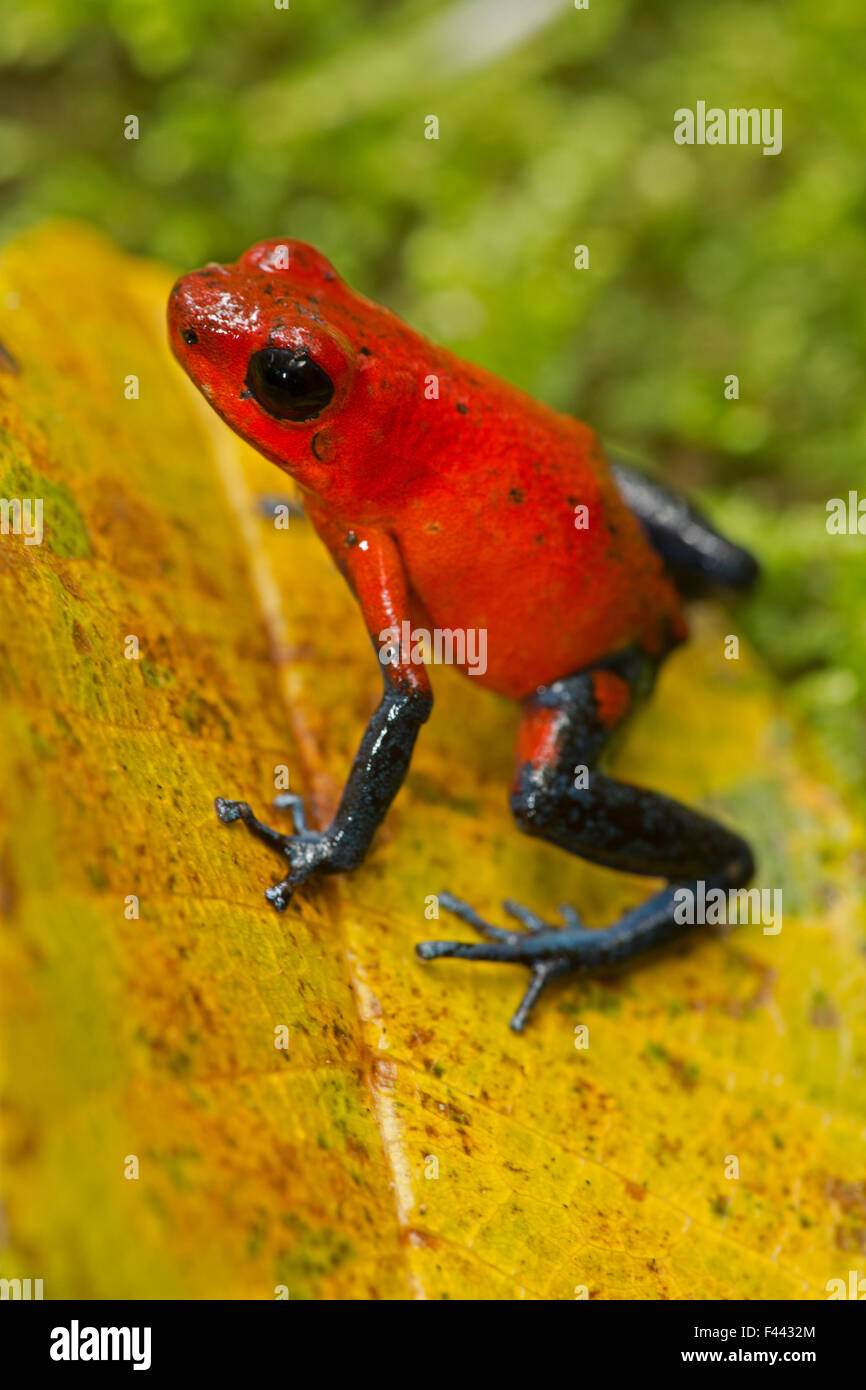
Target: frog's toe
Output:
[(280, 895), (510, 947), (289, 801), (469, 915), (544, 958), (230, 811), (530, 920), (542, 973)]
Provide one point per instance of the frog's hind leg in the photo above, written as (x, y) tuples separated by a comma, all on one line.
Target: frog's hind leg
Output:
[(564, 731), (696, 554)]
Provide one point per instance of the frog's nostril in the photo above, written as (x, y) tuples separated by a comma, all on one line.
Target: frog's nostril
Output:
[(189, 336)]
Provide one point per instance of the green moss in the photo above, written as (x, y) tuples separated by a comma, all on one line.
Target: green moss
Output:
[(155, 676), (42, 746), (191, 713), (316, 1253), (64, 530), (96, 877)]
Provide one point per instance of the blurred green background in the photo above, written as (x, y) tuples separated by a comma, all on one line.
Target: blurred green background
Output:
[(555, 128)]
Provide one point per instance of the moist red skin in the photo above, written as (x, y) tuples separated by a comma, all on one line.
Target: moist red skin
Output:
[(466, 502)]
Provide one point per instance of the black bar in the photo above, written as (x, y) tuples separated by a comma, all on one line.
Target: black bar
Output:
[(243, 1338)]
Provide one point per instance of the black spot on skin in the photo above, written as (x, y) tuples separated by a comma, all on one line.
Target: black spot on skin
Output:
[(464, 409), (328, 276), (351, 538), (539, 540), (269, 289), (365, 351), (189, 336), (245, 395), (572, 501), (516, 494), (432, 526)]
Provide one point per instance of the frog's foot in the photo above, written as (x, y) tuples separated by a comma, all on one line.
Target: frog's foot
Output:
[(306, 850), (551, 951), (536, 947)]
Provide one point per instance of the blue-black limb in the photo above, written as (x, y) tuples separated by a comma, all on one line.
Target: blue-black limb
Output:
[(696, 554), (565, 728), (374, 780)]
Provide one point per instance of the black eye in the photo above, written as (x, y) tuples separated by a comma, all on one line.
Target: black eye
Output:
[(288, 385), (189, 336)]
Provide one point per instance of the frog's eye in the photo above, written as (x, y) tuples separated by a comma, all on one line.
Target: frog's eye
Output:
[(288, 385)]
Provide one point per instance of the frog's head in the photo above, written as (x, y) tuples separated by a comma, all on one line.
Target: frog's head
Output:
[(262, 341)]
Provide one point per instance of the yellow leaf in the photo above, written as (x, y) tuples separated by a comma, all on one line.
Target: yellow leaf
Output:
[(158, 1140)]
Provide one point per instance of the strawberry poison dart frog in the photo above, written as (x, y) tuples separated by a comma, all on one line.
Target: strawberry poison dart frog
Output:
[(470, 507)]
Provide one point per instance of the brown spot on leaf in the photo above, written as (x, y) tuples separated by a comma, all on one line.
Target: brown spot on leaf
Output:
[(7, 361), (81, 640)]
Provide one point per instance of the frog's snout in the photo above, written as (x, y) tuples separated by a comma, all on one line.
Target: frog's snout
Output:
[(190, 312), (181, 313), (209, 308)]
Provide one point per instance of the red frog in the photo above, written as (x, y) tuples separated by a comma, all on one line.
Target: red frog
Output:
[(454, 502)]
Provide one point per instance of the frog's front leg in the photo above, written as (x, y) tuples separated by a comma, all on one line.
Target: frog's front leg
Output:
[(372, 564), (566, 726), (306, 850)]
